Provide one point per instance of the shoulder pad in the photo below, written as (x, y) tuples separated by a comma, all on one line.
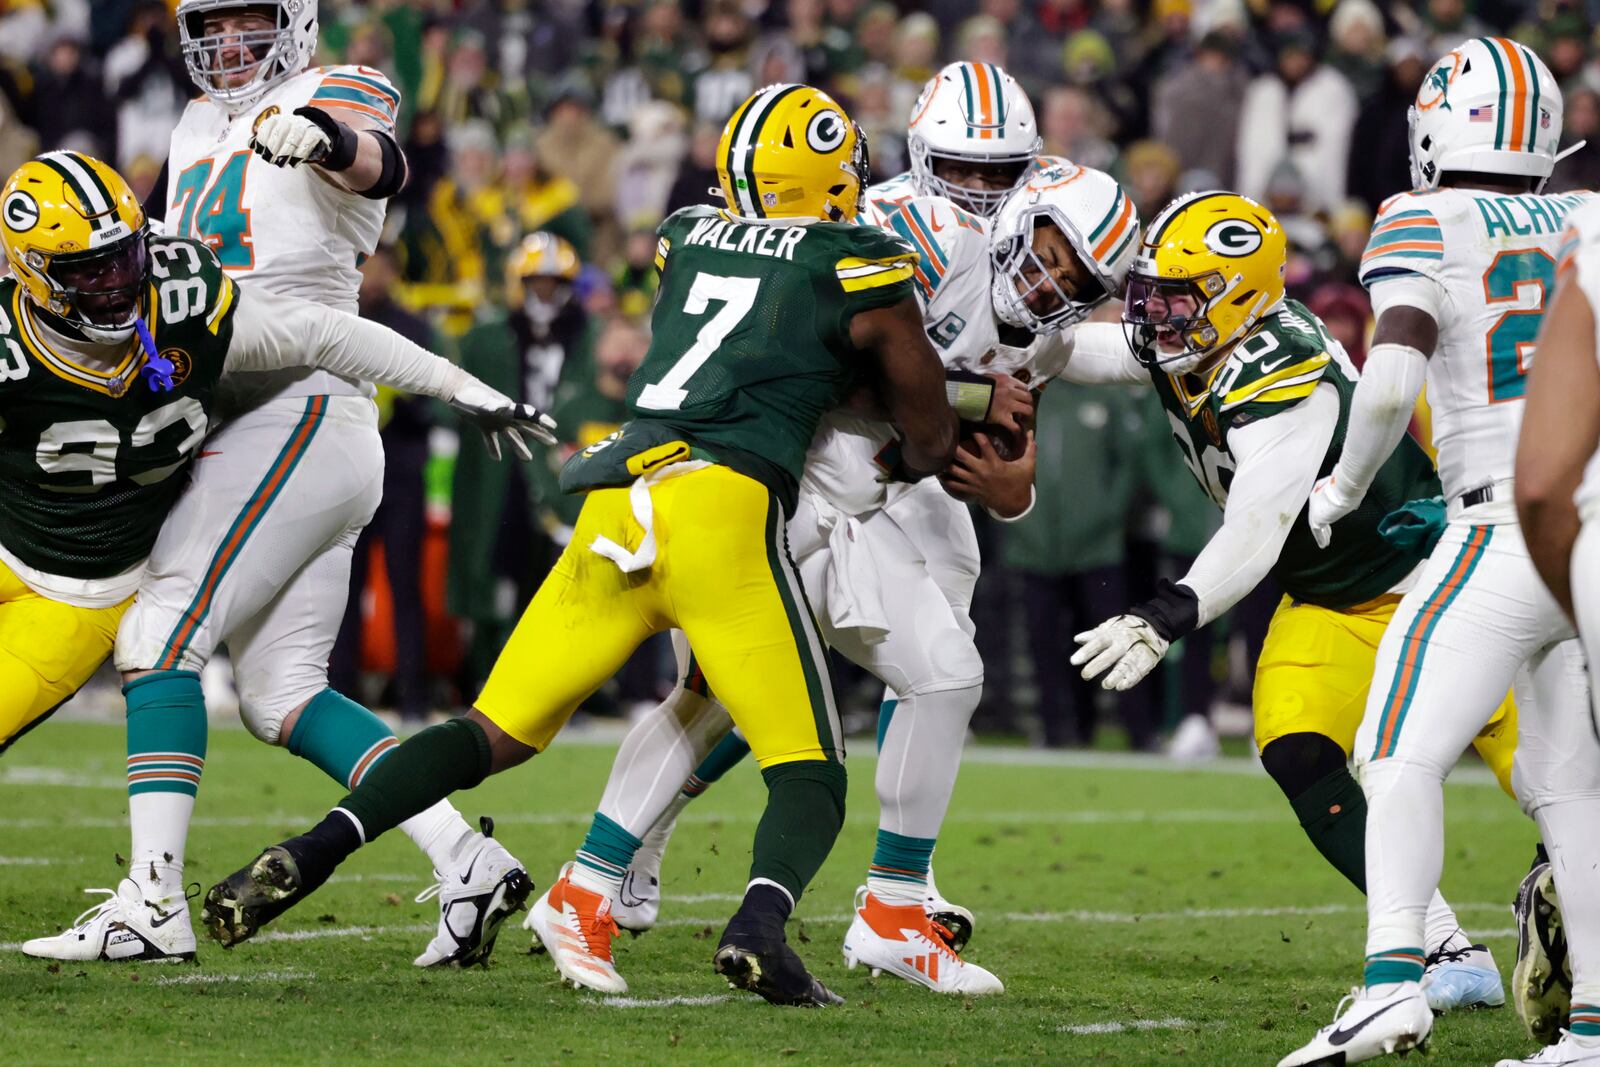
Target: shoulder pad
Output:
[(360, 89), (866, 257), (1406, 238), (1281, 363), (948, 240)]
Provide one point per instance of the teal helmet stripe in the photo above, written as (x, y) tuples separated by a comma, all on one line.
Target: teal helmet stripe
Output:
[(971, 96), (999, 98), (1533, 110), (1500, 109), (1105, 223), (750, 133)]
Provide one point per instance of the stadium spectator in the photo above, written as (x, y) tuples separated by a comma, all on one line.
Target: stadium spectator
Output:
[(1072, 124), (1383, 166), (697, 171), (1303, 111), (69, 106), (1581, 170), (1195, 107), (1357, 41), (647, 162), (149, 85), (574, 145)]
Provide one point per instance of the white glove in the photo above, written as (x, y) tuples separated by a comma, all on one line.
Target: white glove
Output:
[(497, 415), (1329, 503), (1126, 645), (288, 140)]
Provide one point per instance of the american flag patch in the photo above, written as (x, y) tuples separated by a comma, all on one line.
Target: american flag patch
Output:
[(1480, 114)]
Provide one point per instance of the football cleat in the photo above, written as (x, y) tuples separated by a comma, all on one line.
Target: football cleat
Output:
[(1570, 1051), (763, 963), (124, 926), (575, 926), (952, 922), (249, 898), (1462, 980), (902, 940), (638, 903), (1366, 1027), (1541, 984), (484, 886)]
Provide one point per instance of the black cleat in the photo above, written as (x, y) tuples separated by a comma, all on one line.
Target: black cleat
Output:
[(249, 898), (765, 964), (1541, 985)]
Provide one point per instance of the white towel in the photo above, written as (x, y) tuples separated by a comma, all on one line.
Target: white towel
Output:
[(643, 514)]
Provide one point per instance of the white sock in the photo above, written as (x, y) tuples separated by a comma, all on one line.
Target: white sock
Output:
[(1405, 850), (1441, 928), (438, 832), (1568, 830), (160, 824), (896, 892), (595, 881)]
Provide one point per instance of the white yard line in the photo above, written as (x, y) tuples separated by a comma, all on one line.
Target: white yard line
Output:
[(664, 1002), (202, 978), (1121, 1026), (28, 861)]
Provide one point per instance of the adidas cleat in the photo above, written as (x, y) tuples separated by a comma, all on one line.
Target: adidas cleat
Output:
[(1462, 980), (123, 927), (484, 886), (902, 940), (1541, 984), (575, 926), (1367, 1027), (952, 922)]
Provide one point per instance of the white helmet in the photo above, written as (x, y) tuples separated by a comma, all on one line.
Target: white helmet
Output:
[(1097, 218), (976, 113), (1491, 106), (282, 52)]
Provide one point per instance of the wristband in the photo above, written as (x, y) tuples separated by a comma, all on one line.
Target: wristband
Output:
[(1172, 612), (342, 140)]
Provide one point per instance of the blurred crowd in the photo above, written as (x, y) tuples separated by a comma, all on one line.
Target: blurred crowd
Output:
[(548, 138)]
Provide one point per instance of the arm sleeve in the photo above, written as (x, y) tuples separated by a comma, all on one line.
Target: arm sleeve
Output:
[(1385, 397), (272, 331), (1276, 464), (1099, 356)]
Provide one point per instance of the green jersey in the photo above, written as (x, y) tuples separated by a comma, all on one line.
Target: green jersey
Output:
[(1271, 371), (90, 462), (750, 339)]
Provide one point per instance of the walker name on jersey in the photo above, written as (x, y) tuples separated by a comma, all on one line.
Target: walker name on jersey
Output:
[(1520, 216), (777, 242)]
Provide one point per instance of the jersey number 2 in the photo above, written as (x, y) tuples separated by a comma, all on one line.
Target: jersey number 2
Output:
[(737, 296), (214, 211), (1509, 341)]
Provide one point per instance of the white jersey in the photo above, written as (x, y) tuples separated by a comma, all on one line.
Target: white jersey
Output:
[(1580, 254), (850, 455), (1493, 258), (288, 229)]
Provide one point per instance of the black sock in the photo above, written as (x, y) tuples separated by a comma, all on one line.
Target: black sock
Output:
[(420, 773), (322, 848), (1312, 772), (805, 811)]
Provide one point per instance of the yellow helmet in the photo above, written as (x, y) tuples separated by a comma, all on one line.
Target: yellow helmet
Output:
[(75, 237), (791, 152), (540, 255), (1209, 268)]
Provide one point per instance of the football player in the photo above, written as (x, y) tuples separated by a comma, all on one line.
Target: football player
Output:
[(114, 343), (1557, 484), (974, 140), (1259, 394), (765, 311), (283, 170), (1459, 272)]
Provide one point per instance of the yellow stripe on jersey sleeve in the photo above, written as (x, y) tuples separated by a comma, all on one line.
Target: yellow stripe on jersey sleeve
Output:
[(1252, 389), (1282, 393), (663, 246), (856, 273), (224, 303)]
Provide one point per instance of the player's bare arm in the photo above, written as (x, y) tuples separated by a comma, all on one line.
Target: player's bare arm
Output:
[(1560, 431), (912, 383)]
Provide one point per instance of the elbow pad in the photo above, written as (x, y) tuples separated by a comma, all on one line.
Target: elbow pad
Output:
[(395, 172)]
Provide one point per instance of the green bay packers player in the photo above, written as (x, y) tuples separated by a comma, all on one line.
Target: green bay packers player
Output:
[(1258, 395), (767, 312), (112, 343)]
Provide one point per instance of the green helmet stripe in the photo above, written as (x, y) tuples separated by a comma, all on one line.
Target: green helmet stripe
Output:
[(1500, 111), (80, 189), (1533, 109)]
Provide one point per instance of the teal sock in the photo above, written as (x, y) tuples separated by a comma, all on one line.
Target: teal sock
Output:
[(899, 871), (604, 857), (805, 811), (166, 733), (1584, 1019), (719, 761), (885, 715), (1396, 965), (341, 738), (418, 774)]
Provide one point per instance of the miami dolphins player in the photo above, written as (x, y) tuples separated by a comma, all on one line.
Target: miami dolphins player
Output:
[(114, 345), (283, 170), (890, 569), (1258, 395), (1460, 271)]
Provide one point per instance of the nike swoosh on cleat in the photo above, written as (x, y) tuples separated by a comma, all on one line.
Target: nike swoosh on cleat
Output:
[(1339, 1037), (156, 924), (465, 878)]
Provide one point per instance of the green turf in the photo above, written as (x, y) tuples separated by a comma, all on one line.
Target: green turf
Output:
[(1031, 849)]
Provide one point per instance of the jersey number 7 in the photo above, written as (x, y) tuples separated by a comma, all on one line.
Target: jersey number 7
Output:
[(737, 296), (1509, 342)]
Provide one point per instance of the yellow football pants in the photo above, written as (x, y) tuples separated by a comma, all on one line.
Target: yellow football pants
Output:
[(722, 574), (47, 651), (1316, 666)]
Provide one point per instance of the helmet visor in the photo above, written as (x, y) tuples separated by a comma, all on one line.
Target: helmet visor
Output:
[(103, 287)]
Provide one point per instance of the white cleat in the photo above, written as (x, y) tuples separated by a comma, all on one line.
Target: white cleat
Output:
[(124, 926), (1194, 741), (902, 940), (1462, 980), (575, 926), (1570, 1051), (484, 886), (1366, 1027), (638, 904), (948, 919), (1541, 984)]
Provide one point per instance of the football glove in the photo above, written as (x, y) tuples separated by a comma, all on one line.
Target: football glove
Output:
[(1125, 648), (310, 135), (1328, 504), (497, 415)]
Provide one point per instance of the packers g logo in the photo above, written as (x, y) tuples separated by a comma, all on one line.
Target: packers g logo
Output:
[(826, 131), (21, 211), (1233, 237)]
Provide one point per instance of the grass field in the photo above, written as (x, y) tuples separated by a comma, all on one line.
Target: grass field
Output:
[(1137, 914)]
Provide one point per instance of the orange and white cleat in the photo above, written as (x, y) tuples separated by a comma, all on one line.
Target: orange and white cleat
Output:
[(902, 940), (575, 926)]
